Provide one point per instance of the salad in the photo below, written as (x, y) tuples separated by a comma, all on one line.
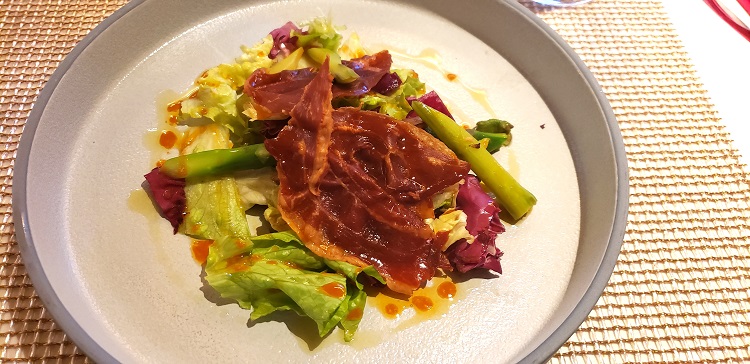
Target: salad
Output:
[(362, 174)]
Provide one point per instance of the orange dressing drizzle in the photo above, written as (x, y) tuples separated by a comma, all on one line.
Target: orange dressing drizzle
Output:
[(333, 289), (431, 301), (446, 290), (240, 263), (392, 309), (167, 139), (354, 314), (199, 249), (240, 244), (422, 303), (174, 106)]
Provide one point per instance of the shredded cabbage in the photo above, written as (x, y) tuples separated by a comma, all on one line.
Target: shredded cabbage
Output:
[(217, 91), (320, 32), (257, 186), (453, 222), (273, 216), (396, 105), (352, 48)]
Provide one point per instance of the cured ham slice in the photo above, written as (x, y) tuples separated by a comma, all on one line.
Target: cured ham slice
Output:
[(370, 70), (274, 95), (353, 183)]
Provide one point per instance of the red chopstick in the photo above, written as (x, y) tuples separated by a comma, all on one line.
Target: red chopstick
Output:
[(745, 5), (730, 19)]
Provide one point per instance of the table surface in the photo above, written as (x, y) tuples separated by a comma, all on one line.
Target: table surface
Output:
[(722, 59), (675, 75)]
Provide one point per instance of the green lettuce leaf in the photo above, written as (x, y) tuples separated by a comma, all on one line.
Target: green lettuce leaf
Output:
[(396, 105), (214, 209), (213, 205), (304, 288), (276, 272), (286, 247), (411, 86), (356, 307), (340, 314), (352, 271)]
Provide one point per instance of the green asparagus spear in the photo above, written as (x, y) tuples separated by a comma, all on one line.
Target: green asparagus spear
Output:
[(340, 72), (516, 199), (218, 161)]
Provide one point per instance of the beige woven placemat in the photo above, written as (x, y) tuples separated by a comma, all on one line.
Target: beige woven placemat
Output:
[(680, 290)]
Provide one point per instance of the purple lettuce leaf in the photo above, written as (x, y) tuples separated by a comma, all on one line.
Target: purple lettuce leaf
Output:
[(283, 42), (483, 221), (169, 195), (432, 100), (389, 83), (478, 206)]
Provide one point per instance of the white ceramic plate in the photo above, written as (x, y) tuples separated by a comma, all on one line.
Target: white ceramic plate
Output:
[(125, 289)]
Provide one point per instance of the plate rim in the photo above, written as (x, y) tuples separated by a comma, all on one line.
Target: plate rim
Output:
[(31, 261), (93, 349)]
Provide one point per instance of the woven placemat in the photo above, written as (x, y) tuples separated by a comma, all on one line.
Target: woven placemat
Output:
[(680, 290)]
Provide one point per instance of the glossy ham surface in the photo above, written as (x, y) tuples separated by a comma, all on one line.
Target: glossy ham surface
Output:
[(370, 70), (352, 183), (274, 95)]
